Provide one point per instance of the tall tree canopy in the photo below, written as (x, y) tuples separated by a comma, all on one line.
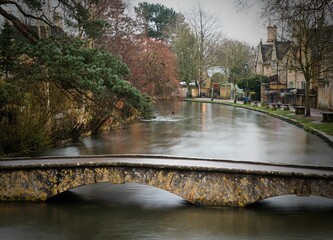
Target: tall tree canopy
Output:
[(157, 19), (151, 61)]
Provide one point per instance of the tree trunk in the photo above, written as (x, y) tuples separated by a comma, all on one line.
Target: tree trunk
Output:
[(199, 90), (307, 98), (189, 92), (235, 92), (97, 124)]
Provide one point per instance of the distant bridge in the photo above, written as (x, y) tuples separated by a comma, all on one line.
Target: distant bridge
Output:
[(199, 181)]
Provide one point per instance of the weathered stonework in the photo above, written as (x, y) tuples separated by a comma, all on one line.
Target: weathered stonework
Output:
[(213, 187)]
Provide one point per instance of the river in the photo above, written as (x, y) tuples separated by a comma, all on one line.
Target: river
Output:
[(133, 211)]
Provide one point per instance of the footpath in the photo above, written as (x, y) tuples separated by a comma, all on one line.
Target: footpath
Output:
[(312, 124)]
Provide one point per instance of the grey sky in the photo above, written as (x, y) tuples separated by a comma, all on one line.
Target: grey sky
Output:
[(244, 25)]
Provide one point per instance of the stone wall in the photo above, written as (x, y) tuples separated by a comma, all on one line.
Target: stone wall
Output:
[(325, 95)]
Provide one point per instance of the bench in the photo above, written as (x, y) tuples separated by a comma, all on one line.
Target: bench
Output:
[(299, 110), (327, 116), (278, 105), (274, 106), (286, 107)]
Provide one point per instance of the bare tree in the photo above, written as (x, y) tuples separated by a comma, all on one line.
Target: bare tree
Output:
[(183, 43), (207, 31), (232, 55)]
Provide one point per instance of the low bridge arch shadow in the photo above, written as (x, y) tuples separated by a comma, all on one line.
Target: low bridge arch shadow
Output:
[(127, 195), (199, 181), (292, 203)]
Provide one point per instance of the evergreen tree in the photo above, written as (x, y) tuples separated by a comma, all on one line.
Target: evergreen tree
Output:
[(6, 49), (85, 73), (157, 19)]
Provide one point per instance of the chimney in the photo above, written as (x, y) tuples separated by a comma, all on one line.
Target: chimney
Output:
[(271, 33)]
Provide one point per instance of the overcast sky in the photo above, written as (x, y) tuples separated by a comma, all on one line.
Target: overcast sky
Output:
[(240, 24)]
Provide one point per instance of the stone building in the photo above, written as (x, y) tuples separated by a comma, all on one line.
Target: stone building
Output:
[(273, 59)]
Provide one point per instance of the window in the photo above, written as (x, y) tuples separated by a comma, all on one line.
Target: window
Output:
[(303, 84), (291, 84)]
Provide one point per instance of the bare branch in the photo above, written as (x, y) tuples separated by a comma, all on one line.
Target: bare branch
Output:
[(42, 17), (21, 27)]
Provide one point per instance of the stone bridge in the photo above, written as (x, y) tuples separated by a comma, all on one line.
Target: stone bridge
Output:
[(200, 181)]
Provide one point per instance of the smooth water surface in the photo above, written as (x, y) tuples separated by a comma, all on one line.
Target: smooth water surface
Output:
[(132, 211), (210, 131)]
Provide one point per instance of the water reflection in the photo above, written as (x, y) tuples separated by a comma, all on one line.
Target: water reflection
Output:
[(132, 211)]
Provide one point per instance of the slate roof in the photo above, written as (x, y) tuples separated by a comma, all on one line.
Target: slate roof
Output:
[(282, 49), (266, 52)]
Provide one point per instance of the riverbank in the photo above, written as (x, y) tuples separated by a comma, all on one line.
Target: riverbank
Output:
[(312, 124)]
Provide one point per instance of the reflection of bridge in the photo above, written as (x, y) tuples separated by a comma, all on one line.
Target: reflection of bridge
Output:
[(200, 181)]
